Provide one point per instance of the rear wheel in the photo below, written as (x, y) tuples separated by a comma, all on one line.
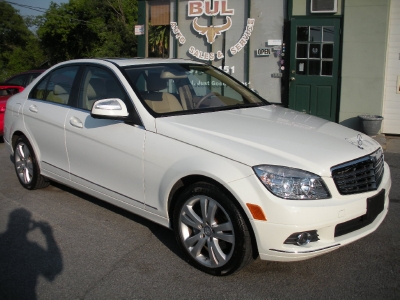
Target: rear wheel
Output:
[(211, 230), (26, 165)]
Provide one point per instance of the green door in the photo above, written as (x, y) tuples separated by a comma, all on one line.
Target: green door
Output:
[(314, 64)]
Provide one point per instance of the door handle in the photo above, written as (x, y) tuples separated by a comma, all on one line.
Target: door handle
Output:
[(74, 121), (292, 78), (33, 108)]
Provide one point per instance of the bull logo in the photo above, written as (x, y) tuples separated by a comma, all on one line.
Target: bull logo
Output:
[(211, 32)]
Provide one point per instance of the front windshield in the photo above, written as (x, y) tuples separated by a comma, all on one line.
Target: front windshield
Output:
[(188, 88)]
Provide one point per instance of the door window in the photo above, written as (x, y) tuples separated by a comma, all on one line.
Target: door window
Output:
[(99, 83), (56, 86), (314, 50), (32, 77)]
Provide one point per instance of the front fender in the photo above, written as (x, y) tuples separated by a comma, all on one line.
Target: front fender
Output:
[(167, 160)]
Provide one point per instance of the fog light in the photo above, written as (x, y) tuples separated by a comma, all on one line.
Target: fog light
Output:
[(298, 238), (303, 238)]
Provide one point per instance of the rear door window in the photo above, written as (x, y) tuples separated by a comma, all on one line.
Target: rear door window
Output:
[(56, 86)]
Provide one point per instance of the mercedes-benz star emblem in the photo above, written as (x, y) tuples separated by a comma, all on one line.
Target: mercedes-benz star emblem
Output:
[(360, 141)]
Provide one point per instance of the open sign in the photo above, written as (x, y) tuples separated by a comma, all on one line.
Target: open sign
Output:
[(264, 52)]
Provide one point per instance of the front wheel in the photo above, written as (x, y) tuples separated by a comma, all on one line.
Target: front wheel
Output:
[(211, 231), (26, 165)]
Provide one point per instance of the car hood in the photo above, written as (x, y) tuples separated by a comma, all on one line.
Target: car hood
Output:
[(269, 135)]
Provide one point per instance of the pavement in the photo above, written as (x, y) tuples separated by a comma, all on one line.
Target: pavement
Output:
[(390, 143)]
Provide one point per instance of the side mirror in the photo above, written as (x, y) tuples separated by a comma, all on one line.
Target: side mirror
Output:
[(109, 109), (114, 109)]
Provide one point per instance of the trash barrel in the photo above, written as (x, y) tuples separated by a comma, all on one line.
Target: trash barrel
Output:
[(371, 124)]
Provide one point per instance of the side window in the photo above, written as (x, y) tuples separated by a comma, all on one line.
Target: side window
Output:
[(98, 83), (56, 86), (8, 92), (38, 92), (17, 80), (32, 77)]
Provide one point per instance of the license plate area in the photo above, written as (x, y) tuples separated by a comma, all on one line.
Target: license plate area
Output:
[(375, 206)]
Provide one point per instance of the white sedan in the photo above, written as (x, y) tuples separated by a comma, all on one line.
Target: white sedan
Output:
[(187, 146)]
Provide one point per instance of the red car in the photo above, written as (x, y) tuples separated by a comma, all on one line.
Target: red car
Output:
[(25, 78), (6, 91)]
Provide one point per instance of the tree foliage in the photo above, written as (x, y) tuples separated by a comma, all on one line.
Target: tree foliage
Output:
[(19, 48), (76, 29), (89, 28), (159, 41)]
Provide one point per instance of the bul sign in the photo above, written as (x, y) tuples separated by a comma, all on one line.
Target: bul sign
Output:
[(210, 8), (199, 8)]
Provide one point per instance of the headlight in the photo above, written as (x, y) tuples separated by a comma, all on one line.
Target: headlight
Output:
[(291, 183)]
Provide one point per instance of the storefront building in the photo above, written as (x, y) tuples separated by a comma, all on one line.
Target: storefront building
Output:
[(391, 102), (322, 57)]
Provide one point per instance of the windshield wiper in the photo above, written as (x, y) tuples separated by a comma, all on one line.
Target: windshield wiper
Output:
[(236, 106), (213, 109)]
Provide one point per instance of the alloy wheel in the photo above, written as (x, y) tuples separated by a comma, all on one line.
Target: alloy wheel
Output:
[(23, 163), (207, 231)]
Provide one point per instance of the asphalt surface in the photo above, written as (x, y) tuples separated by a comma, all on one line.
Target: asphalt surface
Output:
[(57, 243)]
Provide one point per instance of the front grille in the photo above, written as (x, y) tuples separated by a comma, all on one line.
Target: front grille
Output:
[(361, 175)]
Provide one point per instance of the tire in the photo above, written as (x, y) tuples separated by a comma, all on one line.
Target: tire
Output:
[(211, 231), (26, 166)]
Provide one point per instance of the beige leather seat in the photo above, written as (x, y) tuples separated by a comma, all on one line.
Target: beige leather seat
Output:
[(58, 95), (160, 102), (96, 90)]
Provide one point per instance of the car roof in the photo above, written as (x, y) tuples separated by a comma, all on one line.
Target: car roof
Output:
[(124, 62), (147, 61)]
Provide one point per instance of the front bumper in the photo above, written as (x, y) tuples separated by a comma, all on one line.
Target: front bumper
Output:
[(285, 217)]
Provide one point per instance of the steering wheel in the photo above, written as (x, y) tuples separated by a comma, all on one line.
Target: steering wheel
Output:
[(202, 99)]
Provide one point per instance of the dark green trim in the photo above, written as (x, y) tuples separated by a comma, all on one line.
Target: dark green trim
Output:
[(176, 44), (310, 15), (142, 20), (339, 90), (289, 9), (247, 58)]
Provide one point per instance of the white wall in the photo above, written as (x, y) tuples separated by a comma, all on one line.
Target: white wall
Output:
[(391, 102)]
